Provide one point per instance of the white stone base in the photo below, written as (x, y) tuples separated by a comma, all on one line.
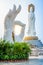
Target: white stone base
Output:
[(37, 43)]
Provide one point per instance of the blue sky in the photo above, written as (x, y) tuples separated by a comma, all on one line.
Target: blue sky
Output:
[(5, 5)]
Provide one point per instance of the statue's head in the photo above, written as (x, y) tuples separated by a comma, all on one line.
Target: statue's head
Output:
[(31, 8)]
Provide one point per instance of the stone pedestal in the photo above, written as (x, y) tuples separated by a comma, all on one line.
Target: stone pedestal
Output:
[(36, 42), (26, 38)]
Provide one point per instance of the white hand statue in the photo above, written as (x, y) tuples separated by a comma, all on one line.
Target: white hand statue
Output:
[(9, 22)]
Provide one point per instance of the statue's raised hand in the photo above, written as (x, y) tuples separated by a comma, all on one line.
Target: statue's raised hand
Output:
[(13, 13)]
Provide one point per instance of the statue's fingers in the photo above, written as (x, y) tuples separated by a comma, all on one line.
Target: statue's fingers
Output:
[(19, 6), (14, 7)]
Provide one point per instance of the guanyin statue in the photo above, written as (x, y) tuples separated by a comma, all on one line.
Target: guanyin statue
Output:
[(31, 20), (30, 32)]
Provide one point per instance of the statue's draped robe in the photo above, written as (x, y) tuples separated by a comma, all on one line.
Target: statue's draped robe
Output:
[(30, 26)]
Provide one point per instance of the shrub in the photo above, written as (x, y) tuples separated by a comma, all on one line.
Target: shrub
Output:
[(16, 51)]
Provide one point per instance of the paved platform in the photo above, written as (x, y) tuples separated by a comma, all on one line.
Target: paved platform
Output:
[(31, 61), (36, 57)]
